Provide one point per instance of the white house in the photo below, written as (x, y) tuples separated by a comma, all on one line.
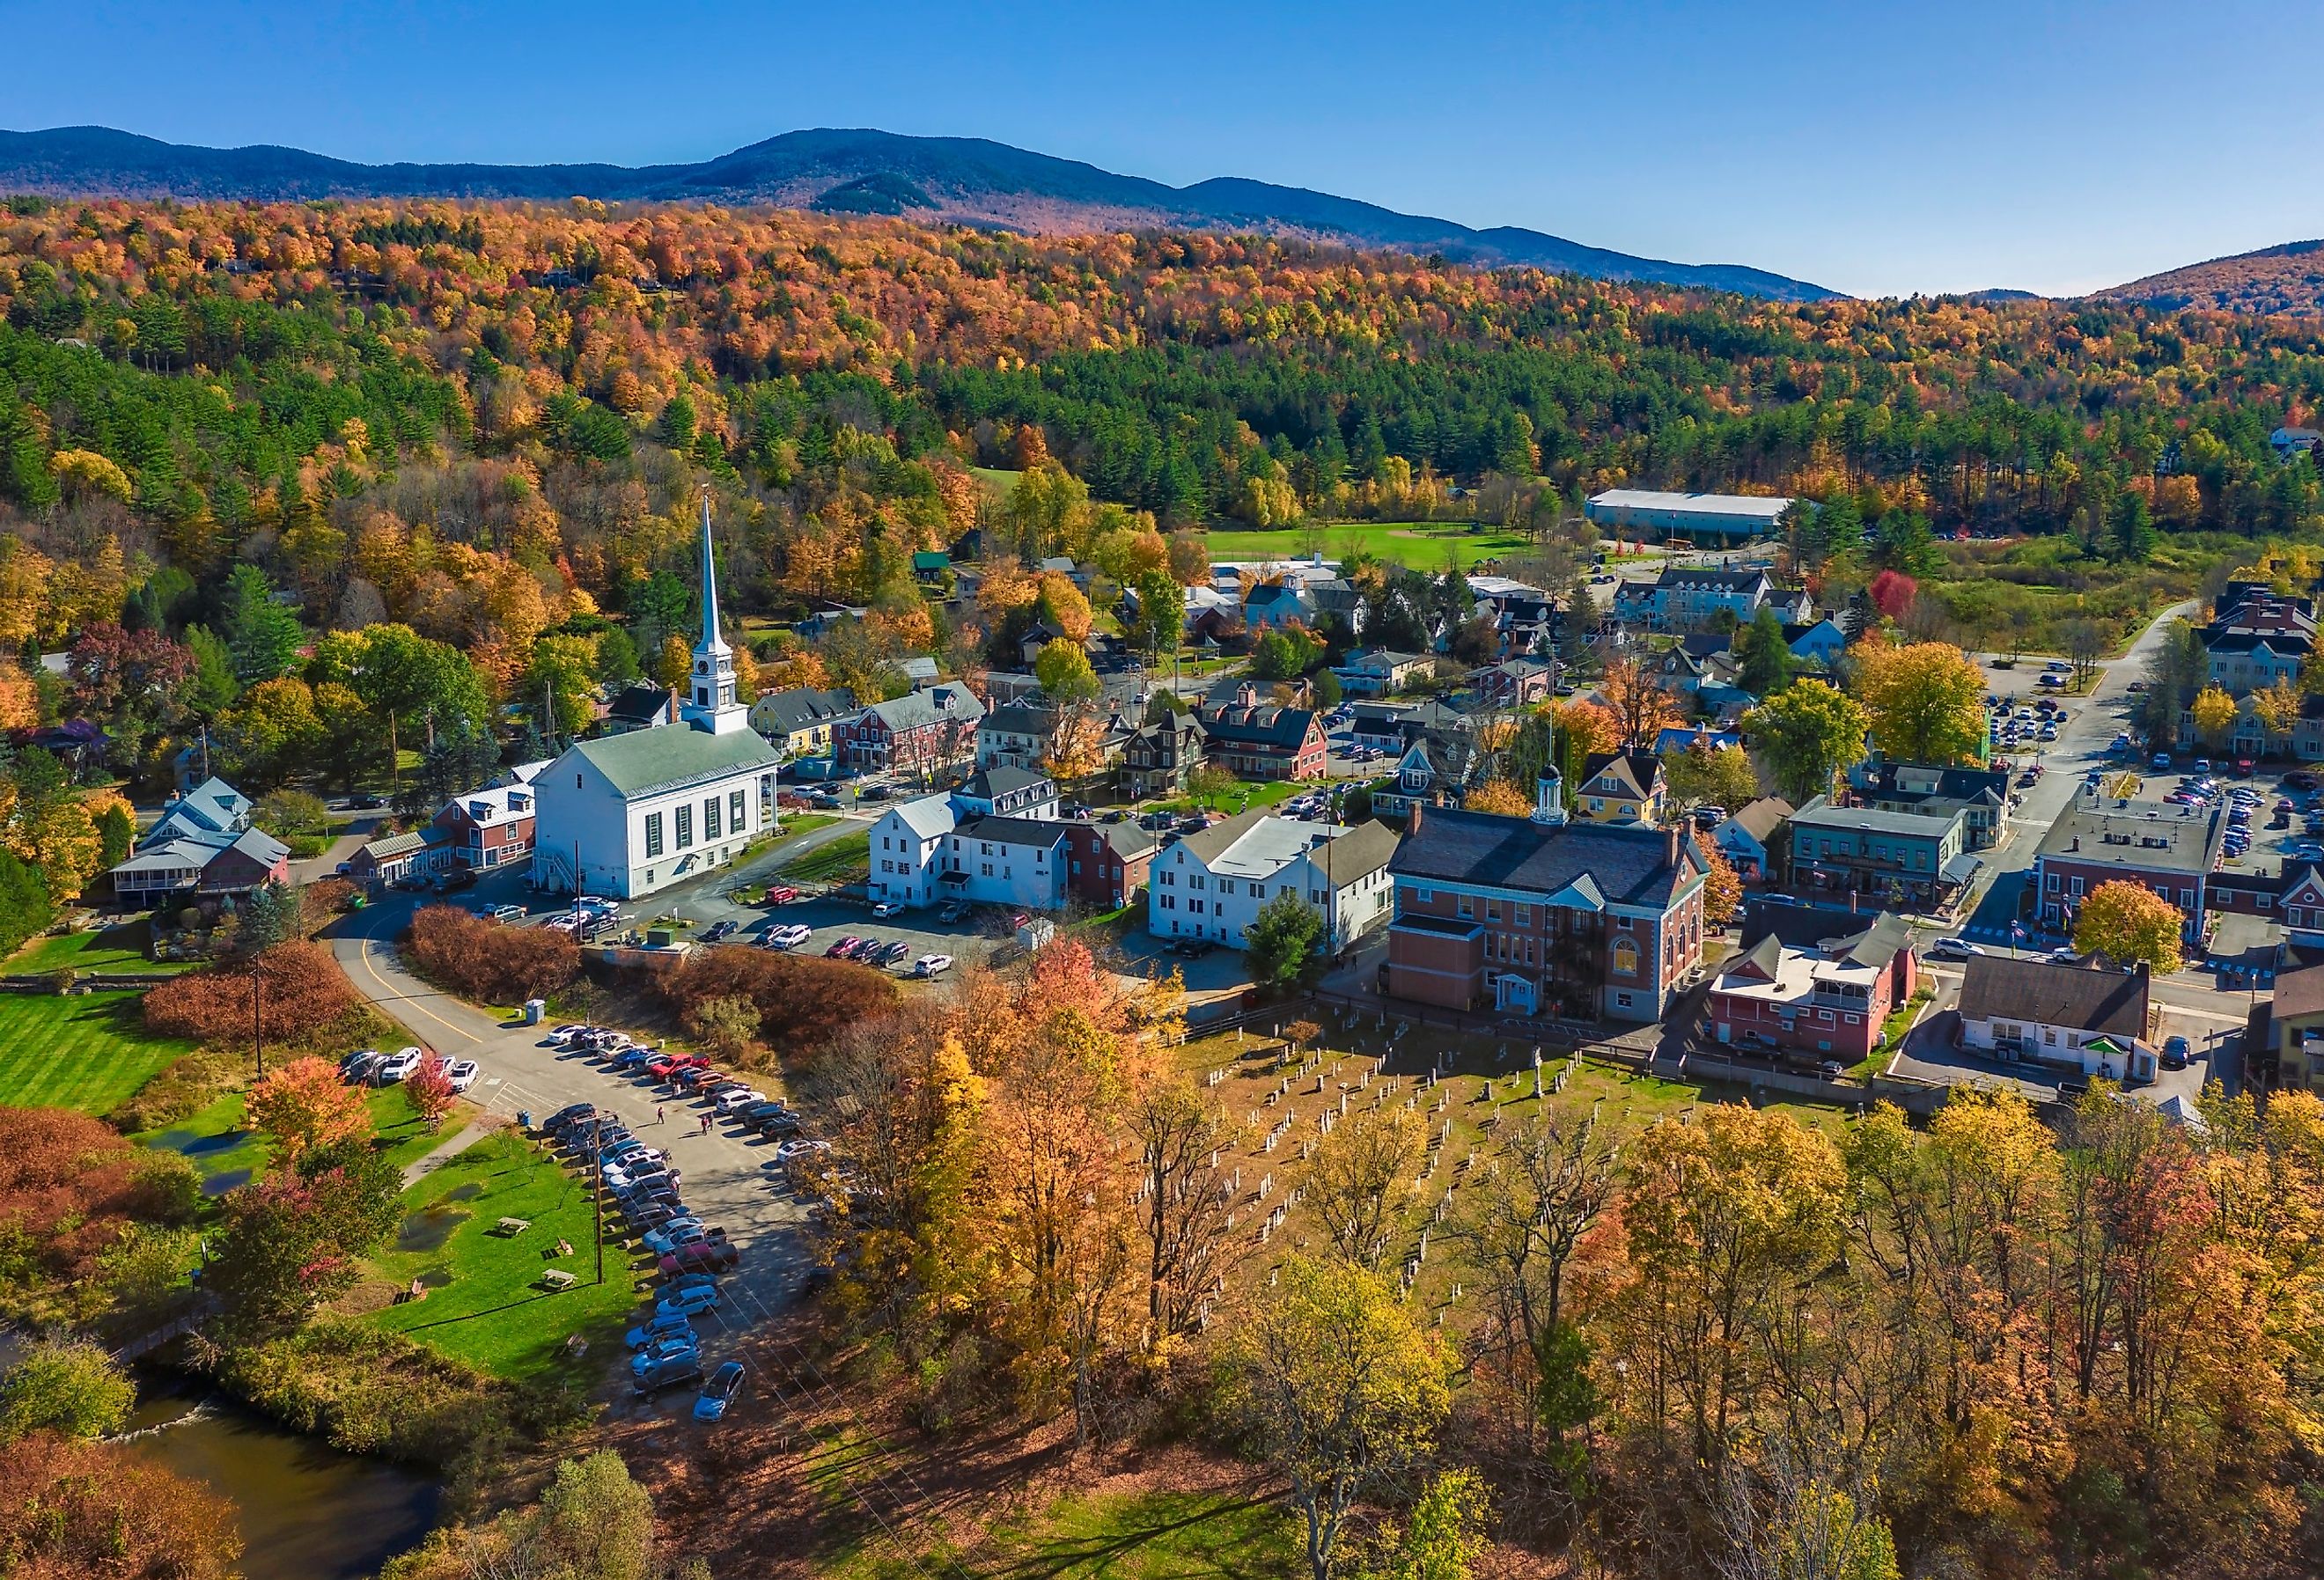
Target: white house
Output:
[(942, 847), (1212, 884), (2093, 1017), (625, 814)]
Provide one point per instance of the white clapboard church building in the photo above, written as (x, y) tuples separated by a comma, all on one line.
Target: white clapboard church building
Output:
[(624, 815)]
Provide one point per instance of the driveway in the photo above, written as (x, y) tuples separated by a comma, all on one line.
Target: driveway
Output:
[(728, 1180)]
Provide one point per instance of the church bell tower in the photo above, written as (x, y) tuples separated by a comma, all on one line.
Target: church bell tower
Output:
[(710, 704)]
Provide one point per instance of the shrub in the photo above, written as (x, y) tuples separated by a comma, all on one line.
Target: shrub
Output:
[(75, 1388), (69, 1188), (487, 961), (78, 1508), (302, 995), (804, 1002), (730, 1025)]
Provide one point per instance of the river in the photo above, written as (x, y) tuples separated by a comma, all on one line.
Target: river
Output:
[(307, 1511)]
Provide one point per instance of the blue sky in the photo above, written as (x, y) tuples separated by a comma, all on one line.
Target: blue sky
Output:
[(1874, 149)]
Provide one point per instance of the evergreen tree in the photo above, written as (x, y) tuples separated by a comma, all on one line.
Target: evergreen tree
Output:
[(261, 636)]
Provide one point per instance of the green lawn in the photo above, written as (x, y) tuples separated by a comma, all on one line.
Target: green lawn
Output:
[(997, 480), (843, 860), (1421, 545), (482, 1304), (226, 1155), (113, 948), (1152, 1536), (1242, 797), (89, 1051)]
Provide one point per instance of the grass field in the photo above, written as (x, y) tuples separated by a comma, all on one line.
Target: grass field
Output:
[(89, 1051), (1421, 545), (1149, 1536), (997, 480), (843, 860), (113, 948), (482, 1304), (1242, 798), (225, 1154)]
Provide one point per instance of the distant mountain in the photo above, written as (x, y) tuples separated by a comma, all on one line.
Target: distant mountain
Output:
[(2288, 279), (965, 180)]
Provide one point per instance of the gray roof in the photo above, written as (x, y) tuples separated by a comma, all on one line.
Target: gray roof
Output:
[(2088, 998), (669, 755), (1361, 851), (1629, 867), (801, 707), (917, 709), (1821, 813), (1761, 817), (1042, 832), (989, 783), (393, 845), (641, 704), (2139, 837), (1020, 718)]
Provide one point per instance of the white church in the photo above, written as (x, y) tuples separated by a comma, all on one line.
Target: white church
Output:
[(625, 814)]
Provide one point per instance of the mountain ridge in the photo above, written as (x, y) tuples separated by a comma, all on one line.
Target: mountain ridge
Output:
[(2286, 279), (968, 179)]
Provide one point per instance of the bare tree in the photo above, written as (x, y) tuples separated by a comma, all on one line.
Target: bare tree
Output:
[(1788, 1520), (1180, 1136)]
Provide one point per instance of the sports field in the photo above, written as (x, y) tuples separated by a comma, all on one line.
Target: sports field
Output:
[(1421, 545)]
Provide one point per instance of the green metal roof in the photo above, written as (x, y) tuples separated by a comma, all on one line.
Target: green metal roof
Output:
[(670, 756)]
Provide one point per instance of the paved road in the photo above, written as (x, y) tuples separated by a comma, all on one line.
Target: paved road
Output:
[(727, 1178)]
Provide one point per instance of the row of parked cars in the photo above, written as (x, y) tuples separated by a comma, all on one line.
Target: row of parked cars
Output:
[(368, 1066)]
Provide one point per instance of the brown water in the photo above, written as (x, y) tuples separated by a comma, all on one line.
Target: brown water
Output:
[(307, 1511)]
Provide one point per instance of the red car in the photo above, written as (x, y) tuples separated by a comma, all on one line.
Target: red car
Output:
[(703, 1256), (782, 895), (662, 1069), (843, 948)]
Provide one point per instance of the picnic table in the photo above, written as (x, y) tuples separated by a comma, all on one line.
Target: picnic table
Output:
[(557, 1280), (511, 1228)]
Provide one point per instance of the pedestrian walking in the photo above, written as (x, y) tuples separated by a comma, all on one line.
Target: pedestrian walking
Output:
[(706, 1124), (659, 1117)]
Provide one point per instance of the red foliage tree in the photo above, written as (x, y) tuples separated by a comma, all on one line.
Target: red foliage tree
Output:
[(487, 961), (429, 1088), (302, 994), (1892, 593)]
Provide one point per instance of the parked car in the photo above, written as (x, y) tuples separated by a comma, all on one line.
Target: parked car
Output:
[(770, 1119), (504, 912), (952, 911), (1194, 949), (567, 1117), (844, 947), (679, 1231), (358, 1065), (885, 908), (889, 953), (654, 1330), (365, 803), (2176, 1053), (701, 1256), (463, 1074), (1954, 948), (928, 965), (665, 1367), (720, 929), (669, 1063), (788, 937), (718, 1394), (735, 1099), (782, 894), (396, 1067)]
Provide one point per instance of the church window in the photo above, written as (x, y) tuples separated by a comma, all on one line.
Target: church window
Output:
[(685, 827), (737, 816), (653, 833), (710, 817)]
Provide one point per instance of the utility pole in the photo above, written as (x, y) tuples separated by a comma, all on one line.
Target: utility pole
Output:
[(257, 1036), (597, 1185)]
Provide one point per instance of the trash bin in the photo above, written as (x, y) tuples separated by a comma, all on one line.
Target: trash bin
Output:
[(533, 1009), (524, 1119)]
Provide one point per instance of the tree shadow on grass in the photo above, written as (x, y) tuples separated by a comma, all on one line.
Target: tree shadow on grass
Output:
[(1225, 1552)]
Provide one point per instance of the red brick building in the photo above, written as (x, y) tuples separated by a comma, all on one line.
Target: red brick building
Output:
[(1106, 863), (1818, 1001), (921, 732), (2171, 850), (1261, 741), (484, 829), (1541, 917)]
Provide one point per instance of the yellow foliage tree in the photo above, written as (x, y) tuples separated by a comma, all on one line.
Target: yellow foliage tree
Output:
[(1498, 796), (86, 472), (1925, 700), (2278, 708), (2213, 713), (2128, 921)]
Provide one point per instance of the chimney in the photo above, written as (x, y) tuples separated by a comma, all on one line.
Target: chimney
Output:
[(1415, 826), (1673, 857)]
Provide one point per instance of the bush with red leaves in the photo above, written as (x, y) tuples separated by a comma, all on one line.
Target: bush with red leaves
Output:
[(804, 1001), (69, 1186), (488, 961), (302, 994)]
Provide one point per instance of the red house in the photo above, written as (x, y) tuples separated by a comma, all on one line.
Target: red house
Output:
[(920, 732), (1818, 1001), (1261, 741), (484, 828), (1106, 863)]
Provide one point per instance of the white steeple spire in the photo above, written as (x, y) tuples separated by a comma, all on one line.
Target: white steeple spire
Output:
[(711, 704)]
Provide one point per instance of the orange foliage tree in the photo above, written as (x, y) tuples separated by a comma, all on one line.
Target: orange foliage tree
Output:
[(303, 1105), (487, 961), (1641, 709), (302, 994)]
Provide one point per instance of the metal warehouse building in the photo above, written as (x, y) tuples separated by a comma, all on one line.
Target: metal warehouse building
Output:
[(1731, 517)]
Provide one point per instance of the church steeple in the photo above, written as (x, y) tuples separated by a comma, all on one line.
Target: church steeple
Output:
[(710, 704)]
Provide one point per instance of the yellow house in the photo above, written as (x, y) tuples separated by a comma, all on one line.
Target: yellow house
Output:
[(1621, 787), (798, 722)]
